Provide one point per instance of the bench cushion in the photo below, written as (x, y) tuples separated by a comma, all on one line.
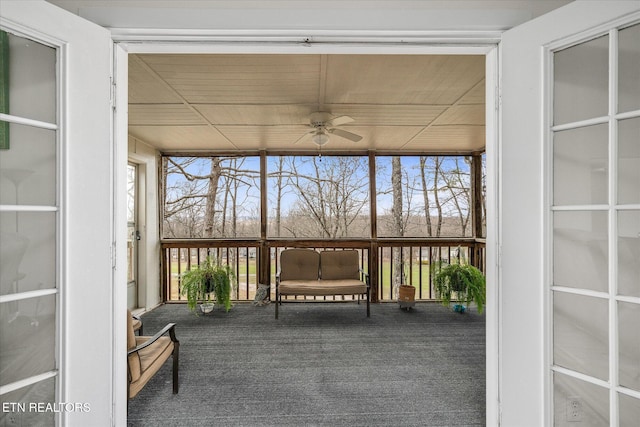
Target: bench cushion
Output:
[(322, 287), (151, 360), (299, 264), (339, 265)]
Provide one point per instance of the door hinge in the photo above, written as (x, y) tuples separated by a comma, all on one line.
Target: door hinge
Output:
[(112, 93), (113, 256)]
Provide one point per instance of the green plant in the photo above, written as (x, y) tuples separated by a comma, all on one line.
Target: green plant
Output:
[(463, 281), (208, 278)]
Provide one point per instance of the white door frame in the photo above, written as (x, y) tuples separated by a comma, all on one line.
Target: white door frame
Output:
[(421, 43), (526, 334), (84, 274)]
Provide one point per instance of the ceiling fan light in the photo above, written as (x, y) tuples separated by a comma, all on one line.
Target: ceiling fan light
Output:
[(320, 138)]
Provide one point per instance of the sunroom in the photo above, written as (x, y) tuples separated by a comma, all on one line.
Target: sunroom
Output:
[(560, 134), (256, 153)]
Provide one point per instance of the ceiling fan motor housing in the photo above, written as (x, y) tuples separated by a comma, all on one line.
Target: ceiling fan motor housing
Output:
[(319, 118)]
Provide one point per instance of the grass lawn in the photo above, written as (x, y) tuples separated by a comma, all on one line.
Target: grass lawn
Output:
[(248, 279)]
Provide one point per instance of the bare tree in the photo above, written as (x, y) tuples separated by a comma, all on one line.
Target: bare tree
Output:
[(278, 196), (206, 194), (459, 186), (431, 167), (425, 195), (212, 192), (397, 266), (331, 195)]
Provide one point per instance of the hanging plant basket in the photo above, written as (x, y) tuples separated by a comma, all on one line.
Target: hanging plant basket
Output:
[(462, 284), (205, 283)]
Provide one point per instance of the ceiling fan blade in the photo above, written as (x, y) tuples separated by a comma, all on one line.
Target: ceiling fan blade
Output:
[(337, 121), (302, 137), (345, 134)]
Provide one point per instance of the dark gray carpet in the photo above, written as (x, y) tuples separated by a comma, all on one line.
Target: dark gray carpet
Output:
[(320, 364)]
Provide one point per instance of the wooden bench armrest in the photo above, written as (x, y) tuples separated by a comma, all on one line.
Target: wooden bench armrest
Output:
[(365, 276)]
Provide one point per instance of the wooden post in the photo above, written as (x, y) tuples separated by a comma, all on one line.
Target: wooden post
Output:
[(373, 215), (263, 256), (476, 209)]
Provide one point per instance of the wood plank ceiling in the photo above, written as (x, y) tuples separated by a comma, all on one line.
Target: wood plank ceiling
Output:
[(410, 103)]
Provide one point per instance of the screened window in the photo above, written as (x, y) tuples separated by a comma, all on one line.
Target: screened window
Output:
[(319, 197), (423, 196), (211, 197)]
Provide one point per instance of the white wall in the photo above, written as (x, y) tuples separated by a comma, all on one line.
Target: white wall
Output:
[(149, 280), (350, 15)]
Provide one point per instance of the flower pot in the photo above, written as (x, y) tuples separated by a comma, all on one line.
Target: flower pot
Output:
[(406, 293), (406, 297), (459, 308), (206, 308)]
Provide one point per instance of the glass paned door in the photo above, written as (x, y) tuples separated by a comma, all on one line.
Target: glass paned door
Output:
[(133, 235), (29, 218), (595, 217)]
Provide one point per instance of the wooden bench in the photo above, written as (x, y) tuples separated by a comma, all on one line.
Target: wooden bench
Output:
[(306, 272)]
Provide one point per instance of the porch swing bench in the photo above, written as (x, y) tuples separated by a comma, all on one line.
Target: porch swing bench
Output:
[(306, 272)]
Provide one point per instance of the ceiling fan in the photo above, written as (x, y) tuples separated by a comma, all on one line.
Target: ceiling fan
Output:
[(323, 124)]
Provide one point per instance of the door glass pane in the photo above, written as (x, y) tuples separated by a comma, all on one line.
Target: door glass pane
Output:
[(31, 77), (581, 81), (593, 402), (27, 257), (629, 253), (131, 221), (628, 66), (580, 166), (629, 410), (580, 251), (28, 167), (39, 393), (27, 338), (581, 334), (131, 235), (629, 160), (28, 235), (629, 343), (131, 193)]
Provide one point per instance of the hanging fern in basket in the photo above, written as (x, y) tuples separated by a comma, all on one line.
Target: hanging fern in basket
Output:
[(208, 278), (460, 282)]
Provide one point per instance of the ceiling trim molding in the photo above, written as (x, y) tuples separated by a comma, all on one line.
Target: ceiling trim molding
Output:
[(306, 38)]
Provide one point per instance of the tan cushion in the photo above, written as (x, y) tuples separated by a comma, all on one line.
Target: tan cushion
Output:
[(133, 359), (137, 323), (151, 360), (337, 265), (322, 287), (131, 336), (299, 264)]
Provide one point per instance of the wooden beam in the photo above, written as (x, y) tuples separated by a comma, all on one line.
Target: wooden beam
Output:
[(476, 194), (264, 275)]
